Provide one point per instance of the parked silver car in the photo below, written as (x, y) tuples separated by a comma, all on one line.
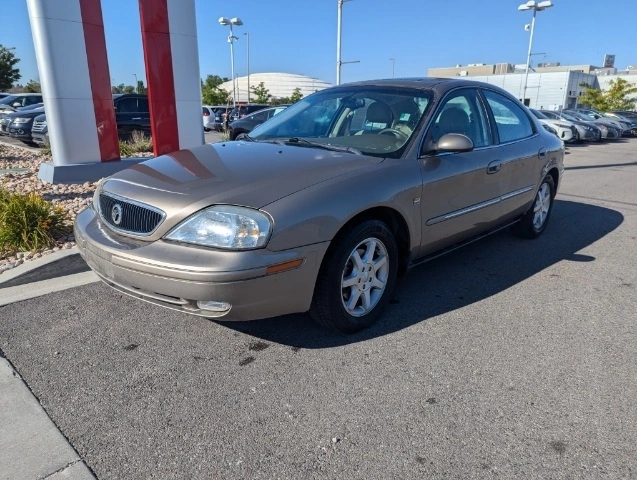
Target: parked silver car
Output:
[(586, 131), (327, 205)]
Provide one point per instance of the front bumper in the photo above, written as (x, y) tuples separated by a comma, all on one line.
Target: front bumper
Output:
[(39, 138), (177, 276)]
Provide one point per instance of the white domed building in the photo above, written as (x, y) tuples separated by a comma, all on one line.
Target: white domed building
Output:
[(280, 85)]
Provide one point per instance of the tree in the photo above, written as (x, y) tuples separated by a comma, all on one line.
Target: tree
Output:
[(296, 95), (33, 86), (140, 87), (261, 94), (8, 74), (121, 88), (211, 94), (615, 98)]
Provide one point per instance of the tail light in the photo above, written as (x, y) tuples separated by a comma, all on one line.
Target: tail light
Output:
[(206, 114)]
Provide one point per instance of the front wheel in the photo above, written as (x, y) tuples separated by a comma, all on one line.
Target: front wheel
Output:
[(534, 222), (356, 278)]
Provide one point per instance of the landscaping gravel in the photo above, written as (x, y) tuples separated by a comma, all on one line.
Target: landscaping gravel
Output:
[(71, 198)]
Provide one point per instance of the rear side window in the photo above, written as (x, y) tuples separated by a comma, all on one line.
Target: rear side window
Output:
[(142, 105), (511, 121), (260, 116)]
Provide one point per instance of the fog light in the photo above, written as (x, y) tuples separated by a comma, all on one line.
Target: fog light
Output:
[(214, 306)]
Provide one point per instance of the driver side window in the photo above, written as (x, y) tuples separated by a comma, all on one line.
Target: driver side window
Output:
[(462, 113)]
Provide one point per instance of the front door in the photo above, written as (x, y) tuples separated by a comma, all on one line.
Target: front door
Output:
[(461, 191)]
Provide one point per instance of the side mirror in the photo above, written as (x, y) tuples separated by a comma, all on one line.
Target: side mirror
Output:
[(452, 142)]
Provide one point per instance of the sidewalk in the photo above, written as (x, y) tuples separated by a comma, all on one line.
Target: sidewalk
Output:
[(31, 446)]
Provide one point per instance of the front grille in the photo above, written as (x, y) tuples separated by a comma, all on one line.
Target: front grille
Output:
[(131, 217), (38, 126)]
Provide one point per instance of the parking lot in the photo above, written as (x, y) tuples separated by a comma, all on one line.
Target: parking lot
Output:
[(509, 358)]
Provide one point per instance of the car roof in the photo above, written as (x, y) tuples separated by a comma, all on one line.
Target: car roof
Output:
[(423, 83)]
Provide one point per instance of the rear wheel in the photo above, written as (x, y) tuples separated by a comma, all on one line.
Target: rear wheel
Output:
[(534, 222), (241, 136), (357, 278)]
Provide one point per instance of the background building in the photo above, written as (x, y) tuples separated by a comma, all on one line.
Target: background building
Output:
[(550, 86), (280, 85)]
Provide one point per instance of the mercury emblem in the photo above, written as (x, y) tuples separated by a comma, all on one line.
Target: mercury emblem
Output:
[(116, 214)]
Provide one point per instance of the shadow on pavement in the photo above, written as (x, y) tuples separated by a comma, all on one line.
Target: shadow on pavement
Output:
[(605, 165), (459, 279)]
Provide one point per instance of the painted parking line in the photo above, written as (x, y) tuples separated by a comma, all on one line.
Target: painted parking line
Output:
[(20, 293)]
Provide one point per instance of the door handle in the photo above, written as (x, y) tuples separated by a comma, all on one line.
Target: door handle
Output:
[(541, 153), (494, 167), (136, 118)]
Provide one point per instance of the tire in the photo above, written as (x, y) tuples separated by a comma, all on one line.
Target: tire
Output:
[(373, 282), (206, 129), (534, 222), (240, 136)]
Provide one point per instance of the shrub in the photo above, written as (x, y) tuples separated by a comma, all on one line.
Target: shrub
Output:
[(138, 143), (28, 222), (46, 150)]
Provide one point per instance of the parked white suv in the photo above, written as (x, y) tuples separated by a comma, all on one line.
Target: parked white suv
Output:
[(566, 130)]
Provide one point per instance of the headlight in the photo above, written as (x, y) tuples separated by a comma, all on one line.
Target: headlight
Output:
[(224, 226), (96, 195), (21, 120)]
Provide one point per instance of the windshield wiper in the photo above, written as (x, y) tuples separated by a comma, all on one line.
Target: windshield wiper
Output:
[(325, 146)]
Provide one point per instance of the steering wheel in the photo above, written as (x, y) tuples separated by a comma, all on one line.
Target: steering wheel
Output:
[(396, 133)]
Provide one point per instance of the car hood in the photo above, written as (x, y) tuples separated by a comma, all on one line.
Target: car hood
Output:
[(26, 114), (251, 174)]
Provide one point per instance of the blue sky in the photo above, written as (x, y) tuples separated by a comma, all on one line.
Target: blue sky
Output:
[(299, 36)]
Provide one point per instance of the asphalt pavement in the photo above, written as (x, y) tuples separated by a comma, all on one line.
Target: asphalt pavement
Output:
[(507, 359)]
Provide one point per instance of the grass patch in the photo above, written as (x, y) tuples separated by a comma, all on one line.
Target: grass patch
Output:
[(138, 143), (28, 222)]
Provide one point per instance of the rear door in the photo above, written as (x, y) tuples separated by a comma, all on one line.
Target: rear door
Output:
[(521, 153), (132, 113)]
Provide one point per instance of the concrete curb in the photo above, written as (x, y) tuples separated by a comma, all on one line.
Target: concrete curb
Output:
[(3, 141), (31, 446), (37, 263)]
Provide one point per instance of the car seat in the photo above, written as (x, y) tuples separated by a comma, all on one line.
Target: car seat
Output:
[(378, 113)]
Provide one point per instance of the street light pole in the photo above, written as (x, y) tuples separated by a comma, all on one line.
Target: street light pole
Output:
[(536, 7), (247, 34), (393, 64), (136, 84), (339, 25), (231, 38)]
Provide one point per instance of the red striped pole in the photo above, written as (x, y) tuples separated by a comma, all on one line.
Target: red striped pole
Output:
[(70, 50), (169, 36), (100, 79)]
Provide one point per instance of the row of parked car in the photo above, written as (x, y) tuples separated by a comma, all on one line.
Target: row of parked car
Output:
[(22, 117), (587, 125), (240, 120)]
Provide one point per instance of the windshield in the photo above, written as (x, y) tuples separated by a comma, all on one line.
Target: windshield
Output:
[(581, 116), (9, 100), (372, 120), (538, 114), (568, 116)]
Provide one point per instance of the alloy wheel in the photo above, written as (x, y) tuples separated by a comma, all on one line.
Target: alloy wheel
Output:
[(365, 277), (542, 206)]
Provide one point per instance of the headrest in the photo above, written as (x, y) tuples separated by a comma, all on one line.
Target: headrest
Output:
[(378, 112)]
